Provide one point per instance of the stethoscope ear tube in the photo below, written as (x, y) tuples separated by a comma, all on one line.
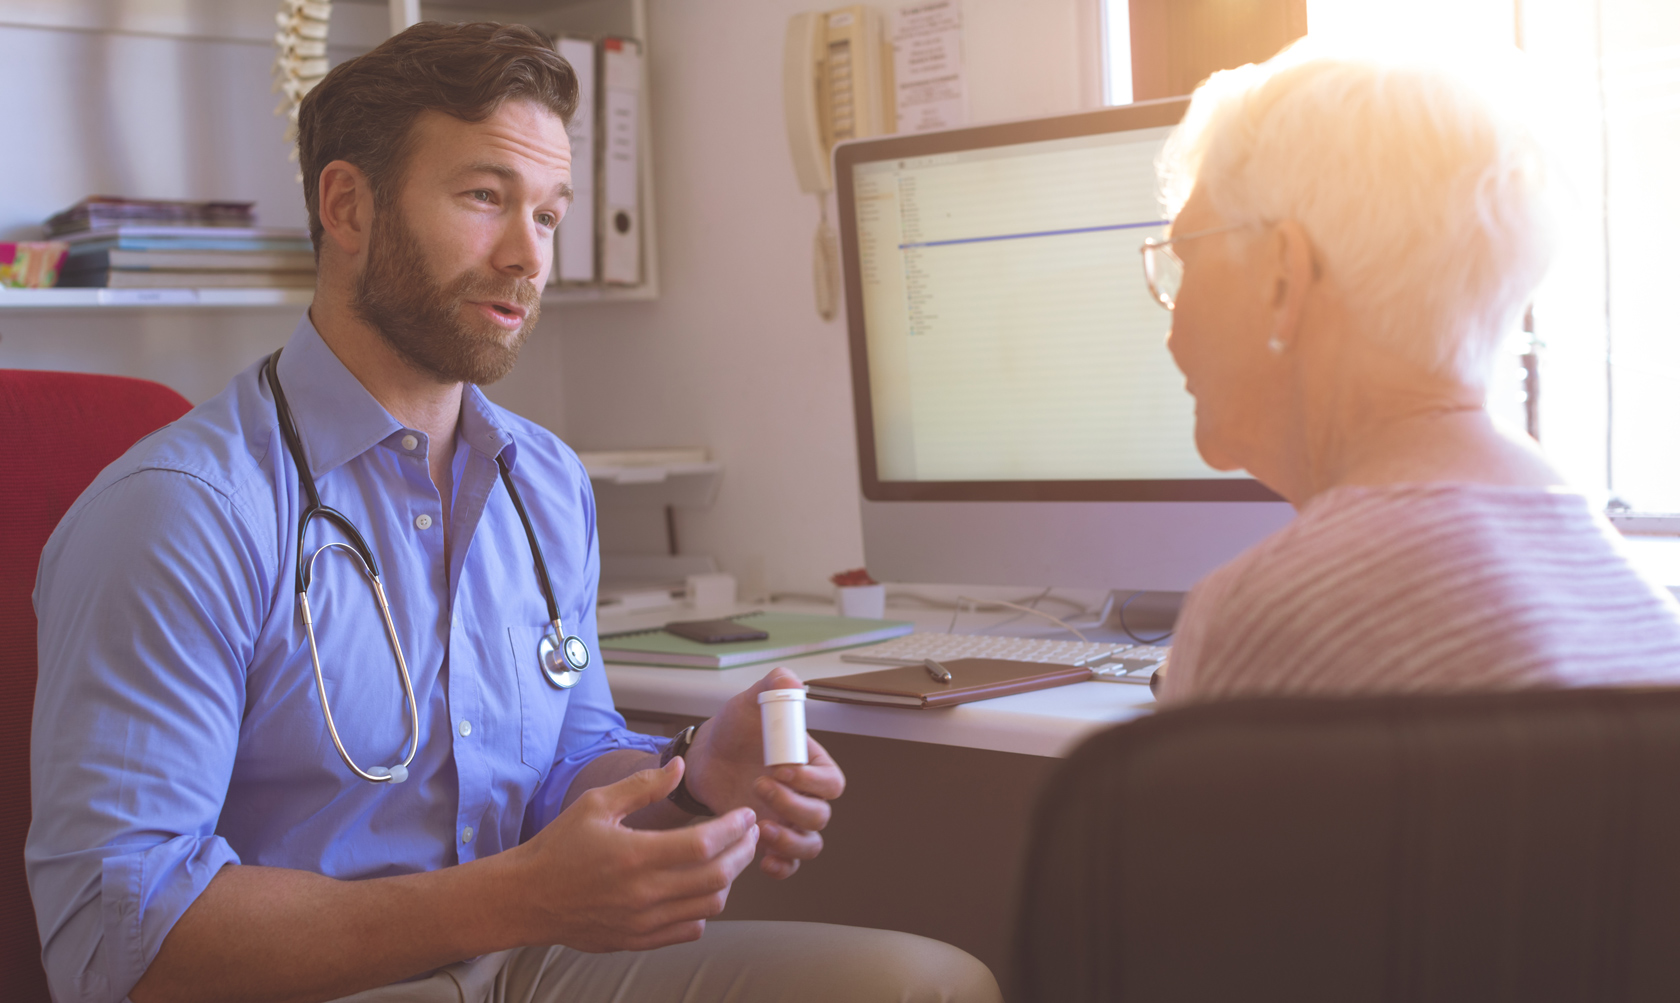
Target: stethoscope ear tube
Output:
[(378, 774), (357, 548), (562, 657)]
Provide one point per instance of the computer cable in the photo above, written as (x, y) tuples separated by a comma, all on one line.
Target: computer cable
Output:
[(1128, 631), (1058, 621)]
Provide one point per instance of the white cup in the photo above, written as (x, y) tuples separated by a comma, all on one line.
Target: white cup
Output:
[(782, 713), (865, 601)]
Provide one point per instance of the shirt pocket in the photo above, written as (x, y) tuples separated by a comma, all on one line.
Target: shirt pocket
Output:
[(542, 705)]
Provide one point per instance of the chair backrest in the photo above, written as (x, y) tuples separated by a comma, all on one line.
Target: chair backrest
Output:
[(57, 431), (1520, 846)]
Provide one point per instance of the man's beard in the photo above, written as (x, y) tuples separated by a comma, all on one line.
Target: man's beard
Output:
[(432, 326)]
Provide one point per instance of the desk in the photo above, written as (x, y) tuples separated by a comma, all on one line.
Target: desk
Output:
[(929, 835), (1042, 723)]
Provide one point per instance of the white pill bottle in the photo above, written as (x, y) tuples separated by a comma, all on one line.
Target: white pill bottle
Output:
[(782, 713)]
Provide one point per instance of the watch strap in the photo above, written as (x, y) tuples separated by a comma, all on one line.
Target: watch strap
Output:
[(681, 797)]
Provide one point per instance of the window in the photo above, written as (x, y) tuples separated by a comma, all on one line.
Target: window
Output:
[(1639, 61), (1604, 353), (1117, 52)]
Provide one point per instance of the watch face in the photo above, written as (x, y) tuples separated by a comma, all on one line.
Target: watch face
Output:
[(577, 653)]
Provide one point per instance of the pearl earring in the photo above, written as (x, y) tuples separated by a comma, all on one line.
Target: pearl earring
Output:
[(1276, 345)]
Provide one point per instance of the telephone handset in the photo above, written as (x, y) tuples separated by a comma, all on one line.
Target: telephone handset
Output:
[(837, 84)]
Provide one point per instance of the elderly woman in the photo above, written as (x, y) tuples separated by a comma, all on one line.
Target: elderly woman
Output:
[(1353, 241)]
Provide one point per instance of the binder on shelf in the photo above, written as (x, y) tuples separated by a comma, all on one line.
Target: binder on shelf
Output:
[(619, 131), (574, 243)]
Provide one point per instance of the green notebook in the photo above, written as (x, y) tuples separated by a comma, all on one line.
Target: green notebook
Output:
[(791, 634)]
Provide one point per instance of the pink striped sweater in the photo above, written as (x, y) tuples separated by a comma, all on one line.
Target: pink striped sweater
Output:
[(1433, 587)]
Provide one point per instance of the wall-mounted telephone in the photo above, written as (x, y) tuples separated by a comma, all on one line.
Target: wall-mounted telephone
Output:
[(837, 84)]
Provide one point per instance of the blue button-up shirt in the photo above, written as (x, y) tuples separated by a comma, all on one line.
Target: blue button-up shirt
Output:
[(177, 727)]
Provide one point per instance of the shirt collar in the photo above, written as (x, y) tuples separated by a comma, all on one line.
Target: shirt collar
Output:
[(481, 429), (339, 420)]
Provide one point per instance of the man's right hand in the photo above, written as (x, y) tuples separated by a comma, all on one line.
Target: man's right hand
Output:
[(594, 884)]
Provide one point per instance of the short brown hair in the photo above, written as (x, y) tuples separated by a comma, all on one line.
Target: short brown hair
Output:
[(363, 111)]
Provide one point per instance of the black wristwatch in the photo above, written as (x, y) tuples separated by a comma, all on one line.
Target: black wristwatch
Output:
[(681, 797)]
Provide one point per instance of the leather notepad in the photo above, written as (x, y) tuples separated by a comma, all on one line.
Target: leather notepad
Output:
[(971, 679)]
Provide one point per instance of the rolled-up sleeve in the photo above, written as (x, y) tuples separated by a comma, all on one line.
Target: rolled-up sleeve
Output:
[(149, 598)]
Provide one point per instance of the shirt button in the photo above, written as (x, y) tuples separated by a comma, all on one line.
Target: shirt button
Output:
[(466, 834), (422, 521), (466, 728), (409, 442)]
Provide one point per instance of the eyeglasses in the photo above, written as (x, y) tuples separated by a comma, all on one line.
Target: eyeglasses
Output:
[(1163, 270)]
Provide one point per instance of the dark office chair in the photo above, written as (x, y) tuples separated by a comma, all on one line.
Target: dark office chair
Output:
[(57, 431), (1491, 847)]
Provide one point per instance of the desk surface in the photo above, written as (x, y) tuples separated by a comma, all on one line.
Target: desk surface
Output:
[(1041, 723)]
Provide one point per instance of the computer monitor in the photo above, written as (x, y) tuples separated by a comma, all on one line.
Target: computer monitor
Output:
[(1019, 420)]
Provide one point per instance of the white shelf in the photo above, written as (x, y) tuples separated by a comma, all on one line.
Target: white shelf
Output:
[(85, 299), (356, 25), (691, 484), (89, 299)]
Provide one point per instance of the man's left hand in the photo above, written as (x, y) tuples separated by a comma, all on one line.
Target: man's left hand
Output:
[(726, 771)]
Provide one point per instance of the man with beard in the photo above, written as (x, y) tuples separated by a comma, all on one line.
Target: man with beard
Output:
[(254, 780)]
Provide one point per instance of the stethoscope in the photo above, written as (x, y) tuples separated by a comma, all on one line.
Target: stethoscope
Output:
[(561, 657)]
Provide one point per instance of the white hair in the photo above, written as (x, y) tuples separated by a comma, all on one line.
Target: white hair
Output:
[(1424, 194)]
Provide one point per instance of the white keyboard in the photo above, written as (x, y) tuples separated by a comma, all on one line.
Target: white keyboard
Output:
[(1109, 661), (1136, 664)]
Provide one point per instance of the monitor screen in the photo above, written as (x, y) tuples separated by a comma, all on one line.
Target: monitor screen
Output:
[(1004, 343), (1019, 419)]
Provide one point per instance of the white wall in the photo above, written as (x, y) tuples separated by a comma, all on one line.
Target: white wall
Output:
[(168, 99), (136, 114), (733, 356)]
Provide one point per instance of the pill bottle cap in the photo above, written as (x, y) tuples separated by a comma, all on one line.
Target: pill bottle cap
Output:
[(771, 696)]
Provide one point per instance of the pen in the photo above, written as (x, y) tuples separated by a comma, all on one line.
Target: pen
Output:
[(936, 670)]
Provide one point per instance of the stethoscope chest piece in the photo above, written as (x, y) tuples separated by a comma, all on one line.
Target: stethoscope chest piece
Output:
[(563, 663)]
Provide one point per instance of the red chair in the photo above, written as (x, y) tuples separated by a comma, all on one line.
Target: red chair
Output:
[(57, 432)]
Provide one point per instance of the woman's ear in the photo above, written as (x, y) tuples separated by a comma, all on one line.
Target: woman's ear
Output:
[(345, 202), (1294, 275)]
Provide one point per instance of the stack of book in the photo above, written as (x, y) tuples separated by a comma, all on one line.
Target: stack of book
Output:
[(147, 244), (103, 212)]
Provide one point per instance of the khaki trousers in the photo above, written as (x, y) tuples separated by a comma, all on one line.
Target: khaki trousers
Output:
[(734, 962)]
